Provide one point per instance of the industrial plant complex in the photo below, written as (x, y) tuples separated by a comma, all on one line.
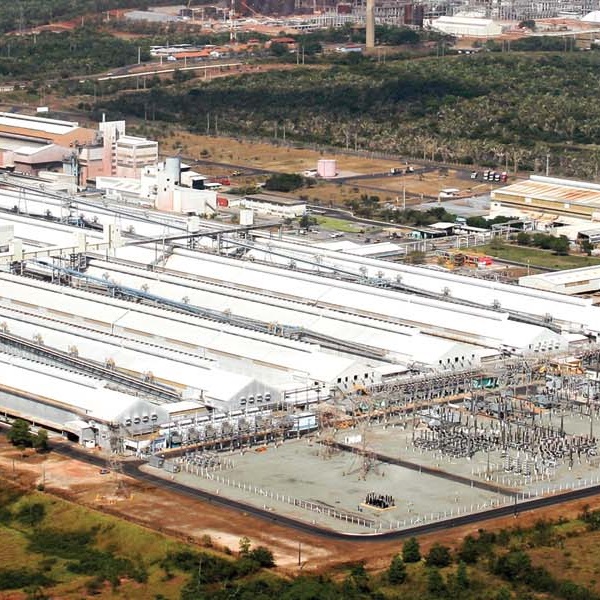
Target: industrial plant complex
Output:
[(135, 322)]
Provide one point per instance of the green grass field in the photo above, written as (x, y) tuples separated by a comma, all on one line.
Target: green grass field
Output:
[(339, 225), (112, 540), (540, 258)]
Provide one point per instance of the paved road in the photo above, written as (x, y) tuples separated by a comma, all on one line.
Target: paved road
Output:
[(132, 469)]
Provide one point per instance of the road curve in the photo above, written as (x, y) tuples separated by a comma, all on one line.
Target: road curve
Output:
[(132, 469)]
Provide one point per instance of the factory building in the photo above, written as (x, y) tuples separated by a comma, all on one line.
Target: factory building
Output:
[(467, 26), (573, 281), (271, 204), (158, 185), (132, 154), (563, 197), (79, 406), (255, 323), (276, 360), (398, 343)]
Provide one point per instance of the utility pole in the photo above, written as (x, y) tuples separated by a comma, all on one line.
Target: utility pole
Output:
[(547, 164)]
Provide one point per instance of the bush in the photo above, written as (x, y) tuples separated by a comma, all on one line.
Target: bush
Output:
[(19, 434), (13, 579), (397, 570), (263, 556), (438, 556), (284, 182), (513, 566), (469, 550), (411, 551), (31, 514), (435, 583)]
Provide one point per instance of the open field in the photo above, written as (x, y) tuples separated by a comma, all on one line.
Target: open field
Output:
[(541, 258), (286, 159), (267, 156), (21, 549)]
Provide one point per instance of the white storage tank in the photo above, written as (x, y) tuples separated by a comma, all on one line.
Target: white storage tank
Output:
[(327, 167), (173, 169), (246, 216)]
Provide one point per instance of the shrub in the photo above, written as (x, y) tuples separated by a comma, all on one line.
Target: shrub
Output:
[(13, 579), (31, 514), (438, 556), (397, 570), (411, 551), (263, 556)]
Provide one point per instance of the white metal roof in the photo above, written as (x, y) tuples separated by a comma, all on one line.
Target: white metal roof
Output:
[(463, 323), (53, 126), (86, 397), (406, 344), (486, 293), (222, 340)]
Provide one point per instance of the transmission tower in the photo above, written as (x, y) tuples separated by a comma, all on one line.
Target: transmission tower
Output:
[(115, 461)]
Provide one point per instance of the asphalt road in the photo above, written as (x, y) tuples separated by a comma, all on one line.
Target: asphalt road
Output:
[(132, 469)]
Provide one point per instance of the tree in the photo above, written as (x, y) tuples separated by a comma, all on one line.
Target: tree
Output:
[(523, 239), (462, 579), (244, 546), (435, 583), (469, 550), (411, 551), (397, 570), (438, 556), (587, 247), (561, 245), (263, 556), (284, 182), (19, 434), (360, 577), (306, 221), (40, 441), (527, 24), (279, 49), (513, 566)]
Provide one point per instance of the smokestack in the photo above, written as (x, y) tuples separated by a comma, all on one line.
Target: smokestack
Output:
[(370, 22)]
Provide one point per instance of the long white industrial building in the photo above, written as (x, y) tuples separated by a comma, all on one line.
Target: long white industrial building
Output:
[(240, 322)]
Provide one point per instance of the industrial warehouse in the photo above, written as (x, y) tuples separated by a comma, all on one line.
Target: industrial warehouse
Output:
[(175, 339)]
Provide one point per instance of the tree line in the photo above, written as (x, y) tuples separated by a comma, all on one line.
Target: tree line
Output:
[(485, 109)]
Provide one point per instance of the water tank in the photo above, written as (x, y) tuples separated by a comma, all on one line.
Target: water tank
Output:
[(246, 216), (326, 167), (173, 169)]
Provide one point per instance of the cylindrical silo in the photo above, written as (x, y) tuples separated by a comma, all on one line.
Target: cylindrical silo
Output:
[(173, 169), (326, 167)]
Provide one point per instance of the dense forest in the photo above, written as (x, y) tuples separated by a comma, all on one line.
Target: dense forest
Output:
[(51, 55), (508, 110), (28, 13)]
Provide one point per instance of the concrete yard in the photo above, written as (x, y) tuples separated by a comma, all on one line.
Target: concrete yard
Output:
[(299, 469), (304, 479), (396, 441)]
